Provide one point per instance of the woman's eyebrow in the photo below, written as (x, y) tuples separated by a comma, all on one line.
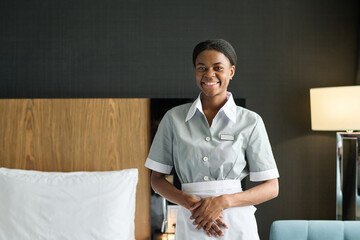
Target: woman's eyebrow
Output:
[(212, 65)]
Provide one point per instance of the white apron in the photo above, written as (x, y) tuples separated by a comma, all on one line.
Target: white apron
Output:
[(240, 220)]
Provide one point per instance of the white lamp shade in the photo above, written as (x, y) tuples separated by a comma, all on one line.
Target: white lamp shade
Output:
[(335, 108)]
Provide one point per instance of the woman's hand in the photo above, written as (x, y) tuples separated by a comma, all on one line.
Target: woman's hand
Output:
[(215, 228), (193, 203), (207, 214)]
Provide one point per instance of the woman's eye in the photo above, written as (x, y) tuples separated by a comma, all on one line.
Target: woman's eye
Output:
[(218, 68), (201, 68)]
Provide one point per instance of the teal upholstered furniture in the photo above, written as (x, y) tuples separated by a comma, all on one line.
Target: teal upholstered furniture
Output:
[(315, 230)]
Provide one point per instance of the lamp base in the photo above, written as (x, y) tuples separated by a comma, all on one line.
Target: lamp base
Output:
[(347, 176)]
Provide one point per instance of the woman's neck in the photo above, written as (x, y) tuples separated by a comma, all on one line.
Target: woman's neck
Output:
[(212, 105)]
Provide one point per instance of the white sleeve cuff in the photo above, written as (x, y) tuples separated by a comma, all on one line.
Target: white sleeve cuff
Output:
[(158, 167), (264, 175)]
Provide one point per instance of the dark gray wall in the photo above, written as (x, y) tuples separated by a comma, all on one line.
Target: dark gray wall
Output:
[(115, 48)]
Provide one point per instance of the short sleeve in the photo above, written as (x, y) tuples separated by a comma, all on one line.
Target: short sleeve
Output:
[(261, 161), (160, 155)]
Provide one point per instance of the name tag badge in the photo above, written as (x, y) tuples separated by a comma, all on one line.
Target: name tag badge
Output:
[(227, 137)]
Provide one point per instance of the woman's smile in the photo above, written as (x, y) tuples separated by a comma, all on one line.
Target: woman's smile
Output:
[(209, 84)]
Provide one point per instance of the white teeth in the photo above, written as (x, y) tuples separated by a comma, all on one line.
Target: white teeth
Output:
[(210, 83)]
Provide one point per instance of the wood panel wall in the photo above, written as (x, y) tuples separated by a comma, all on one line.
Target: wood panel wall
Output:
[(80, 135)]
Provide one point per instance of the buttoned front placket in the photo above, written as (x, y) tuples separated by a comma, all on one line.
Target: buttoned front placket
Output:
[(205, 159), (208, 138)]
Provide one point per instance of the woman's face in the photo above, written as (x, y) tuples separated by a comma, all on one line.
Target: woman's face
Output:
[(213, 72)]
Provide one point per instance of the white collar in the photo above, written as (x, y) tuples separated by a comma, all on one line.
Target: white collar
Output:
[(229, 108)]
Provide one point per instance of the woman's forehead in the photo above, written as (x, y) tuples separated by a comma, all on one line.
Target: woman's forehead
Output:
[(211, 57)]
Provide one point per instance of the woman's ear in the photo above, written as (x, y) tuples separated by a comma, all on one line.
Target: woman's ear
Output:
[(232, 71)]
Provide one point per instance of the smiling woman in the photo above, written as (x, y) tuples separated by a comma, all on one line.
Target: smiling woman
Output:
[(213, 71), (207, 141)]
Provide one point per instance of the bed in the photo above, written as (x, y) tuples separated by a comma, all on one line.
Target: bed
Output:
[(82, 139)]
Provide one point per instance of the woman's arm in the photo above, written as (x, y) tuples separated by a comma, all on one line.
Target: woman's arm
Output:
[(254, 196), (207, 210), (171, 193)]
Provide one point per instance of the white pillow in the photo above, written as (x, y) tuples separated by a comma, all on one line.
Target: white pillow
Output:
[(76, 206)]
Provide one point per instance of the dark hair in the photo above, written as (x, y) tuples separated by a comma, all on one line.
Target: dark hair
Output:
[(219, 45)]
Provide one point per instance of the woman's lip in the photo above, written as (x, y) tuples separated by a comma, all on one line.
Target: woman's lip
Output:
[(209, 83)]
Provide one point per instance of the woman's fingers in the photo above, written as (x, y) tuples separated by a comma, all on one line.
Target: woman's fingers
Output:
[(221, 223), (195, 206), (212, 232), (208, 226), (208, 209), (215, 233), (204, 222), (199, 223), (215, 230)]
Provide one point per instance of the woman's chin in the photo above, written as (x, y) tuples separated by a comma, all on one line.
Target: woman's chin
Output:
[(209, 94)]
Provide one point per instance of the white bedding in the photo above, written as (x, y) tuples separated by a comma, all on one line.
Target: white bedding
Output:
[(76, 206)]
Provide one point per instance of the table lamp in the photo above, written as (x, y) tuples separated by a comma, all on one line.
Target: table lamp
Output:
[(338, 109)]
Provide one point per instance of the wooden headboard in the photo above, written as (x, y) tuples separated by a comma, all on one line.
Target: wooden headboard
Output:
[(80, 135)]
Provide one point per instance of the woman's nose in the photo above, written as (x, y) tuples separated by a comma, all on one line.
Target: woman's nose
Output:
[(210, 73)]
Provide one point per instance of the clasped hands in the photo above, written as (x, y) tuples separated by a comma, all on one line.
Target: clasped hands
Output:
[(207, 214)]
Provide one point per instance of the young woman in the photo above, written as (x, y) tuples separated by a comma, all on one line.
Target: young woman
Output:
[(207, 142)]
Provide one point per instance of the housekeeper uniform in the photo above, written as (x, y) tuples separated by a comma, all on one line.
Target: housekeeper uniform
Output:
[(210, 160)]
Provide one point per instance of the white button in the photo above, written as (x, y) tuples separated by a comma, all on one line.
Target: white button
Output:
[(207, 139), (205, 159), (206, 178)]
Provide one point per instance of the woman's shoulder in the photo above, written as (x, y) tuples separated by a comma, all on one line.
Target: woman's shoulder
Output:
[(247, 114), (179, 110)]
